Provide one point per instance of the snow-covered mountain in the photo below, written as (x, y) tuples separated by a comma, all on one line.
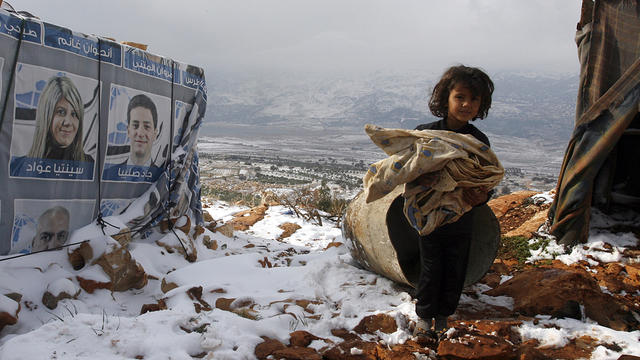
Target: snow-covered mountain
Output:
[(524, 105)]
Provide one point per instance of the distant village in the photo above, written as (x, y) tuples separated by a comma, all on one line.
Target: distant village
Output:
[(249, 173)]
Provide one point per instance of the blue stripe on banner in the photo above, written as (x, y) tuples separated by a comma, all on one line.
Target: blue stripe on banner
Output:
[(131, 173), (22, 166), (193, 81), (135, 62), (83, 45), (10, 25)]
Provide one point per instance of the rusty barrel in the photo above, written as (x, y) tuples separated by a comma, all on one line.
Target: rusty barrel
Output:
[(382, 241)]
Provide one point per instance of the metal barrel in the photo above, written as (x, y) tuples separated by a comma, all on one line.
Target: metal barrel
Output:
[(381, 239)]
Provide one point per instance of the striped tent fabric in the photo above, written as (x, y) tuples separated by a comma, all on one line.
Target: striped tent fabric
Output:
[(608, 40)]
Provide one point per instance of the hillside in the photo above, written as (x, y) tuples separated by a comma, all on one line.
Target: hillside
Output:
[(277, 281), (523, 104)]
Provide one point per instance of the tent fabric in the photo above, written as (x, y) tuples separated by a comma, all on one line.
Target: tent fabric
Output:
[(608, 99), (454, 161)]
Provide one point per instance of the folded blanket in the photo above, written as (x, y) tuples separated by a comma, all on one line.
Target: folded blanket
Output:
[(455, 161)]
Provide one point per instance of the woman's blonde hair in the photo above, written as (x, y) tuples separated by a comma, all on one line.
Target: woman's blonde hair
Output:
[(58, 87)]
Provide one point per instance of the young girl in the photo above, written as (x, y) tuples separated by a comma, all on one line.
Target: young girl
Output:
[(463, 94)]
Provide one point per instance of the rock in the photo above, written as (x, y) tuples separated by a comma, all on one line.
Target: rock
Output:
[(333, 244), (224, 303), (123, 237), (210, 244), (578, 348), (408, 351), (570, 309), (297, 353), (305, 304), (529, 351), (344, 334), (243, 307), (125, 273), (17, 297), (199, 230), (211, 225), (530, 226), (243, 220), (504, 329), (167, 286), (267, 348), (80, 256), (58, 290), (50, 301), (301, 338), (90, 286), (491, 279), (504, 203), (225, 229), (518, 214), (358, 349), (185, 222), (269, 198), (472, 344), (289, 229), (370, 324), (9, 317), (195, 294), (549, 291), (160, 305), (633, 270), (633, 275)]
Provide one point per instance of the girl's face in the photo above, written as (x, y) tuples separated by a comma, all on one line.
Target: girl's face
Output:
[(462, 107), (64, 124)]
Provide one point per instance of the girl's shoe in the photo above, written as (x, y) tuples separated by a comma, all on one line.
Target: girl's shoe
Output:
[(423, 328), (441, 324)]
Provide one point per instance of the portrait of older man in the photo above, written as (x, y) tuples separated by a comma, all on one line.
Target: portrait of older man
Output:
[(52, 230)]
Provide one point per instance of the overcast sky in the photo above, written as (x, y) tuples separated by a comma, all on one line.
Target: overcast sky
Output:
[(334, 35)]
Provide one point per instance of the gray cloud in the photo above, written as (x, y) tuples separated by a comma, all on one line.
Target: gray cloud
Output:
[(334, 35)]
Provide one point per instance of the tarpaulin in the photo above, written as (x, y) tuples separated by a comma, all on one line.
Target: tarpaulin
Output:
[(608, 99)]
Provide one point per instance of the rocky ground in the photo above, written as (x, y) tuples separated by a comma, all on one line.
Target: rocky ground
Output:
[(605, 292)]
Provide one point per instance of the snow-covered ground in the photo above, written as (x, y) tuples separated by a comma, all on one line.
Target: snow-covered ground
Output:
[(255, 285)]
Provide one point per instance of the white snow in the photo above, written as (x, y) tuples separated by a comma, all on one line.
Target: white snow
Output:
[(279, 286), (8, 306)]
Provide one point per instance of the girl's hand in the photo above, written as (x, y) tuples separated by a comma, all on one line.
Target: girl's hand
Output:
[(475, 196)]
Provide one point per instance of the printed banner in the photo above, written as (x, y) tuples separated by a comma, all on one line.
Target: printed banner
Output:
[(90, 47), (55, 127), (12, 26), (92, 127), (45, 224), (138, 136)]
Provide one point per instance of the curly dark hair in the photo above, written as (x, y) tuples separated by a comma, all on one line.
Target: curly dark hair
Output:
[(475, 79)]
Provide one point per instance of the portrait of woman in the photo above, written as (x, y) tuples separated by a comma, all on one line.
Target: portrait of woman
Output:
[(59, 118)]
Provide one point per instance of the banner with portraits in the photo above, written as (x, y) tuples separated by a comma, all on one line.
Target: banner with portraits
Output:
[(138, 135), (55, 124), (88, 127)]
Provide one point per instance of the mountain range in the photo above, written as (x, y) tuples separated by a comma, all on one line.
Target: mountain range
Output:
[(525, 105)]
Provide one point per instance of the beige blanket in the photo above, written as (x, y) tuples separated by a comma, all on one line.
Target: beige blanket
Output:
[(456, 161)]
